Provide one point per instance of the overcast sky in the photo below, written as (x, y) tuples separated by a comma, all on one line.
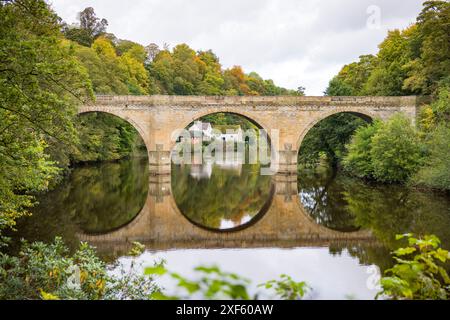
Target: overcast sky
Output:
[(294, 42)]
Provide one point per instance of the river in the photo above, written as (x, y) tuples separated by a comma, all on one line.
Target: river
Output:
[(326, 228)]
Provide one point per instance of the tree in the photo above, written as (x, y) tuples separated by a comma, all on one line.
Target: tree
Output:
[(212, 80), (389, 73), (329, 137), (352, 78), (90, 27), (431, 64), (412, 61), (41, 83), (89, 22), (152, 51), (387, 152), (396, 151), (358, 160), (337, 87), (234, 82), (435, 173)]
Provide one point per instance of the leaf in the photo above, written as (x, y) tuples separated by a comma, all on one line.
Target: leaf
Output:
[(404, 251), (157, 270), (441, 254), (48, 296), (158, 295)]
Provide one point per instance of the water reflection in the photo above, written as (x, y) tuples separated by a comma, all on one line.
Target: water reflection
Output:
[(330, 276), (321, 193), (99, 204), (100, 198), (343, 203), (220, 195)]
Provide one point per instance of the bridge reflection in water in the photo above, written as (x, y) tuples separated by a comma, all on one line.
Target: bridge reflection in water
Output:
[(284, 223)]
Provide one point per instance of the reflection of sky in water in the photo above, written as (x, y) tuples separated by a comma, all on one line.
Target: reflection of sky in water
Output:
[(331, 277), (205, 170), (229, 224)]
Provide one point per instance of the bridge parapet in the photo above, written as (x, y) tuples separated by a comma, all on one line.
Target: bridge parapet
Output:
[(325, 101)]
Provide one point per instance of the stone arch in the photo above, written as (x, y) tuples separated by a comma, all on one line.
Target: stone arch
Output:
[(234, 110), (122, 116), (364, 114)]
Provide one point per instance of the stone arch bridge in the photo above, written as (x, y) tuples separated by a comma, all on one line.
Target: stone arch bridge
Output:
[(157, 117), (285, 222)]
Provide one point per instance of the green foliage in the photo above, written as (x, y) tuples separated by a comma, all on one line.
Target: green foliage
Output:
[(115, 70), (412, 61), (338, 87), (441, 106), (49, 271), (430, 65), (41, 83), (389, 72), (89, 28), (186, 72), (435, 173), (104, 137), (388, 152), (213, 283), (420, 272), (328, 137), (351, 79), (358, 159), (395, 150), (286, 288)]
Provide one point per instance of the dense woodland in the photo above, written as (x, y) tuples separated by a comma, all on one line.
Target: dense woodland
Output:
[(414, 61), (49, 68)]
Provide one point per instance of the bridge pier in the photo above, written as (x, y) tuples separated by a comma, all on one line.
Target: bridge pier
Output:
[(285, 185), (159, 187), (285, 162), (159, 161)]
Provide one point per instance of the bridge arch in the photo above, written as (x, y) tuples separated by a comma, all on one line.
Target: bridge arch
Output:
[(363, 114), (120, 114), (253, 118)]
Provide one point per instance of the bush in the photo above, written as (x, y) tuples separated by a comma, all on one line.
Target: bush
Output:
[(213, 283), (387, 152), (358, 160), (436, 171), (48, 271), (420, 272), (395, 150)]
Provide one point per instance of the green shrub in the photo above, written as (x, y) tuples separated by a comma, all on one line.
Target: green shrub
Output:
[(48, 271), (395, 150), (436, 170), (358, 160), (420, 272), (385, 151), (213, 283)]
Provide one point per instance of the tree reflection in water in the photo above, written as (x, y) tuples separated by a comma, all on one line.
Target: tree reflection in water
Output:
[(220, 195), (343, 203)]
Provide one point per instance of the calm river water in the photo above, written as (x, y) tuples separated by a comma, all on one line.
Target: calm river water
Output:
[(327, 229)]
